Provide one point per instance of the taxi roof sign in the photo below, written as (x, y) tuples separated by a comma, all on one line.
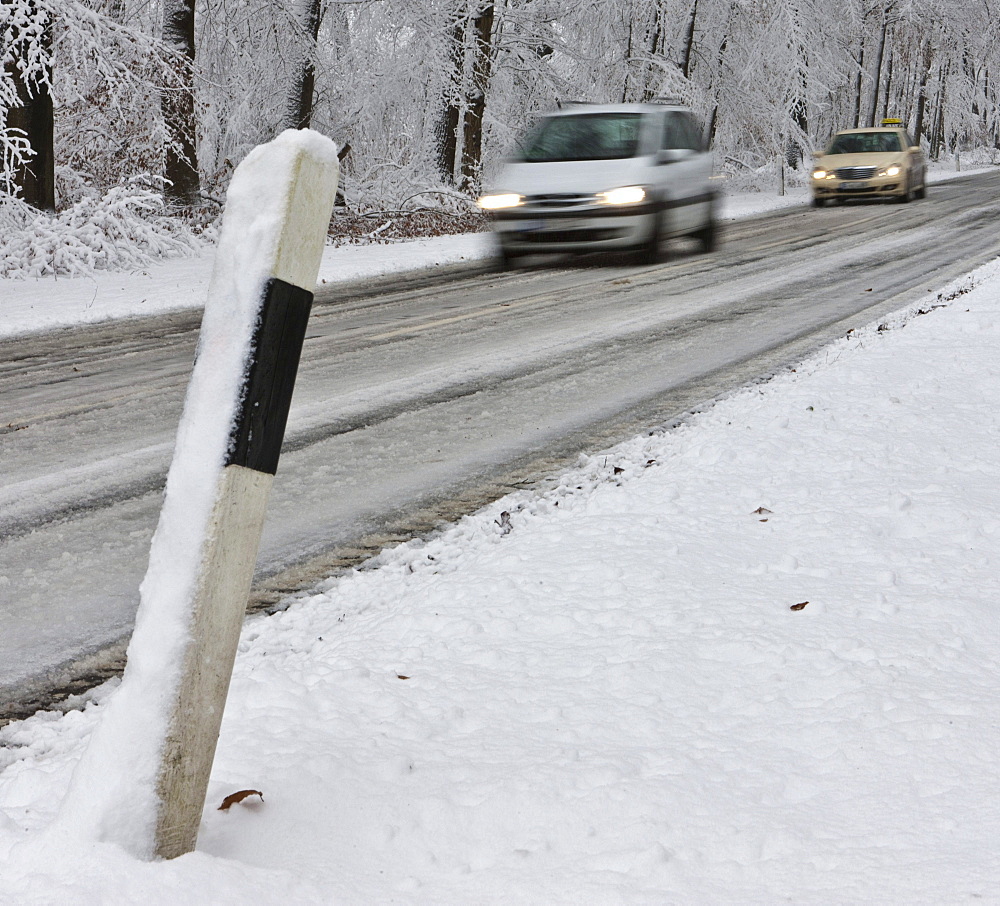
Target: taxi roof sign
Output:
[(892, 122)]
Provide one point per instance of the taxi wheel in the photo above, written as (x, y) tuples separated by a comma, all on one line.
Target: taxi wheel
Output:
[(907, 195), (818, 202), (922, 191)]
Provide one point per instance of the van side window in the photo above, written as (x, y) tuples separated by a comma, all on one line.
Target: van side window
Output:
[(695, 140), (681, 131)]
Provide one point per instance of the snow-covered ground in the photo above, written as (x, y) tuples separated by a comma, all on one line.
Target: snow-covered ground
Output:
[(752, 660)]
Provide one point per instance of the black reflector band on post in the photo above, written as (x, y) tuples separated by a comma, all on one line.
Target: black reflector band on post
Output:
[(259, 428)]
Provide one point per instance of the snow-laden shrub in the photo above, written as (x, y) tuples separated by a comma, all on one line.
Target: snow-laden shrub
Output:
[(978, 157), (736, 178), (125, 228)]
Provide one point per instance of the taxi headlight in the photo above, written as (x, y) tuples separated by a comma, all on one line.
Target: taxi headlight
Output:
[(891, 170), (624, 195), (500, 200), (820, 173)]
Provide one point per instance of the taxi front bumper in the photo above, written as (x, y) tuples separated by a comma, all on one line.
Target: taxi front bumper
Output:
[(860, 188)]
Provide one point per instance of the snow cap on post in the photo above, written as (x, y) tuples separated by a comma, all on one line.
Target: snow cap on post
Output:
[(276, 196), (201, 559)]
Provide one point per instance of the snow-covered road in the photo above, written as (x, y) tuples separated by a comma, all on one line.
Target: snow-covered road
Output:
[(429, 394)]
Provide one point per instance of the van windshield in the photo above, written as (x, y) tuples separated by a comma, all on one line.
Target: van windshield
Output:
[(584, 136)]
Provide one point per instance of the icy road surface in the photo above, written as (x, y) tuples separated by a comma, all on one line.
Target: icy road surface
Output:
[(422, 398)]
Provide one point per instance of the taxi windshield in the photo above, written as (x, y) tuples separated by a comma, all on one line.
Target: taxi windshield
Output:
[(584, 136), (865, 143)]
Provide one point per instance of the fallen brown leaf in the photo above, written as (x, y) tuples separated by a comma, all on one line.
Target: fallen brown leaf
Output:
[(233, 798), (798, 606)]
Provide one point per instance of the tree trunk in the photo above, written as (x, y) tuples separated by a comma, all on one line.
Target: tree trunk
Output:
[(298, 113), (181, 156), (687, 56), (877, 81), (857, 84), (475, 108), (937, 130), (713, 120), (799, 108), (654, 49), (925, 73), (115, 9), (628, 64), (34, 117), (447, 129), (888, 87), (36, 178), (989, 93)]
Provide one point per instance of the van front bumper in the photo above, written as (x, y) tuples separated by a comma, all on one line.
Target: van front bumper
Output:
[(525, 231)]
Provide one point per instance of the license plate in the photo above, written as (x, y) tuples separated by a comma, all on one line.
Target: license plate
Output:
[(553, 223), (853, 184)]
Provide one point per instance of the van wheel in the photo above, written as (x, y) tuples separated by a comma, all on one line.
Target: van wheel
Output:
[(708, 235), (506, 259), (651, 251)]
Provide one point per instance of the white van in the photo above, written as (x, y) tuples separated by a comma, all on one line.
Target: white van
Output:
[(609, 177)]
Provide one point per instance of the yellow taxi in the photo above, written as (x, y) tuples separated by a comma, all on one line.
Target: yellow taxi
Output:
[(880, 162)]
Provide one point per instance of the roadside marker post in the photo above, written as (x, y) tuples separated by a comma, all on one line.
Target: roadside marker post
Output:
[(143, 780), (230, 553)]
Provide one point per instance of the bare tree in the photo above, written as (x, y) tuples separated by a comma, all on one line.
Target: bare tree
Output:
[(299, 111), (447, 126), (887, 20), (27, 133), (480, 26), (180, 151)]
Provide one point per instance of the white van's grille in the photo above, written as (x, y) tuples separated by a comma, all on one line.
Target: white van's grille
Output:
[(558, 201)]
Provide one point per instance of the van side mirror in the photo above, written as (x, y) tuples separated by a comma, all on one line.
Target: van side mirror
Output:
[(673, 155)]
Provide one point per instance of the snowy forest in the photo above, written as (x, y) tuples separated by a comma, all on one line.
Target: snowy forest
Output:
[(127, 117)]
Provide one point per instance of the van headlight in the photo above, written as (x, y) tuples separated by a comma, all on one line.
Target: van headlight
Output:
[(623, 196), (500, 200)]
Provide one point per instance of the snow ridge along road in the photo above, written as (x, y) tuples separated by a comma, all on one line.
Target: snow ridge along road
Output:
[(423, 399)]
